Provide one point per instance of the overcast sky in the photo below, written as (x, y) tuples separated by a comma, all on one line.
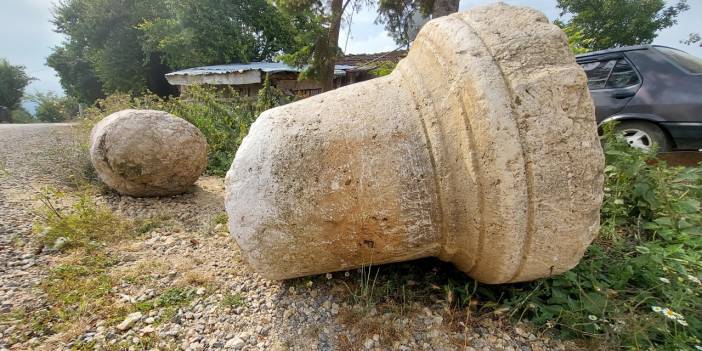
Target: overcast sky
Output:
[(26, 35)]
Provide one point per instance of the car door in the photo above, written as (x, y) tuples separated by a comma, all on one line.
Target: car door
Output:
[(613, 81)]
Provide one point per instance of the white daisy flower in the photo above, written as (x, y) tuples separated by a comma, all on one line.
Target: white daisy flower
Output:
[(657, 309), (698, 347), (592, 318), (671, 314), (664, 280)]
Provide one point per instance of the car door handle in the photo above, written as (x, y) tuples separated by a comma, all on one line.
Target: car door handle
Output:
[(623, 94)]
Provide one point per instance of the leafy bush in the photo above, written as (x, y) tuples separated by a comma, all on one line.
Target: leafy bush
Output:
[(20, 115), (383, 68), (52, 108), (222, 117), (84, 225), (639, 284)]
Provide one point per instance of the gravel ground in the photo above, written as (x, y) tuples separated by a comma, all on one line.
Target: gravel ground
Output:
[(227, 307)]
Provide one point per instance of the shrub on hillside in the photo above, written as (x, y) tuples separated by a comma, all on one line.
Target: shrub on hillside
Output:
[(52, 108)]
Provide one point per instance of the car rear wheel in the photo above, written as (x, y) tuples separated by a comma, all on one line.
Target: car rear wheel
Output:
[(643, 135)]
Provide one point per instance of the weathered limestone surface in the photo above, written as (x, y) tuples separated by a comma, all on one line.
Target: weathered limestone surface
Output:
[(480, 149), (147, 153)]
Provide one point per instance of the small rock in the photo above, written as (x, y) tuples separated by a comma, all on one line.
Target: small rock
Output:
[(60, 243), (235, 343), (129, 321)]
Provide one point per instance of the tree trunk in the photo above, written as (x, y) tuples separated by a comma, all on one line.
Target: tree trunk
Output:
[(444, 8), (337, 10)]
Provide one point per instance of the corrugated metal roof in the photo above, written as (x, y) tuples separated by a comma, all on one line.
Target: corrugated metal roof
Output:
[(266, 67)]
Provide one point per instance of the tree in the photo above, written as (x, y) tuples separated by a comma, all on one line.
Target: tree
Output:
[(613, 23), (203, 32), (320, 40), (103, 45), (13, 81), (76, 72), (129, 45), (693, 39), (398, 15)]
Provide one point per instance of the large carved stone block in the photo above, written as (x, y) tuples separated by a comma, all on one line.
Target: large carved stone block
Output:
[(480, 149), (147, 153)]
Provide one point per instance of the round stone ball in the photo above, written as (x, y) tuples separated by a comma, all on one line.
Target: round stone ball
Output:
[(145, 153)]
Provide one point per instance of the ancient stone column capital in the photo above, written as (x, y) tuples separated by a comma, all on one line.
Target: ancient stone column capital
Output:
[(481, 148)]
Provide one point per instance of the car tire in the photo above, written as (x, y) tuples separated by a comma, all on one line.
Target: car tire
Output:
[(644, 135)]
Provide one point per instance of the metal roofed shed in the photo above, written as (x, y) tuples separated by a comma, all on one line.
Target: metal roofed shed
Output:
[(247, 79)]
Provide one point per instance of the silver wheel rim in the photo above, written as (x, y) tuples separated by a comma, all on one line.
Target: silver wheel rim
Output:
[(638, 139)]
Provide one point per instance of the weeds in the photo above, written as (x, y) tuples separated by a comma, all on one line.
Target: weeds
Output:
[(85, 224), (233, 300), (75, 292)]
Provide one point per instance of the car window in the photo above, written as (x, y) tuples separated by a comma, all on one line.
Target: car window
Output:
[(622, 76), (688, 62), (598, 72)]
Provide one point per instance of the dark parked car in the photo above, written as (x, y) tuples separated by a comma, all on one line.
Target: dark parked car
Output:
[(4, 115), (655, 93)]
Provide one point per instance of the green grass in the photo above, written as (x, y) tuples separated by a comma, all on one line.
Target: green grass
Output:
[(233, 300), (74, 292), (84, 224)]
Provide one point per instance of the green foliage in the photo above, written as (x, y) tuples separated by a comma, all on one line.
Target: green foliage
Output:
[(196, 32), (397, 15), (693, 39), (320, 24), (383, 68), (20, 115), (85, 224), (174, 297), (13, 81), (103, 43), (577, 41), (76, 72), (233, 300), (128, 45), (73, 291), (268, 97), (224, 119), (613, 23), (638, 286), (52, 108)]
